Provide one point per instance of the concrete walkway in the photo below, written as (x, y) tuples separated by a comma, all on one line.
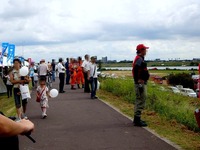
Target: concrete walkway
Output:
[(75, 122)]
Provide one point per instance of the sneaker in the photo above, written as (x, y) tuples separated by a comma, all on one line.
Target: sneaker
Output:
[(24, 117), (44, 116), (95, 97), (17, 119)]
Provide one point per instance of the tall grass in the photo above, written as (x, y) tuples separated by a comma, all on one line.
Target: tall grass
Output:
[(172, 106), (7, 105)]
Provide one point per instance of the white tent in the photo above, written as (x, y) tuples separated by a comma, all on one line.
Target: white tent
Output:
[(2, 86)]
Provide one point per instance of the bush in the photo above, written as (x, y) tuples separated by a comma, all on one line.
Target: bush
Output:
[(166, 103), (183, 79)]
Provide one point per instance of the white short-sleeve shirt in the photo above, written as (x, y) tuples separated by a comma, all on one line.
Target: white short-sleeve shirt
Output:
[(93, 70), (61, 68), (85, 65)]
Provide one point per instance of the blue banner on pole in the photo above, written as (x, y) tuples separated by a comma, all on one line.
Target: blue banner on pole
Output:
[(4, 48), (11, 53)]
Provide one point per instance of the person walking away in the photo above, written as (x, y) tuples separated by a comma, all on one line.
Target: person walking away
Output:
[(35, 78), (61, 70), (53, 66), (43, 93), (141, 76), (5, 72), (80, 76), (31, 72), (92, 77), (73, 73), (9, 85), (67, 71), (85, 68), (16, 80), (43, 69), (49, 66)]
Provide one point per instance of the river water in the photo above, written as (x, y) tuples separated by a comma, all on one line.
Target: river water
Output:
[(159, 68)]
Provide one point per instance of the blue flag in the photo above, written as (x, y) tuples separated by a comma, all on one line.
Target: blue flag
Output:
[(11, 53), (4, 48)]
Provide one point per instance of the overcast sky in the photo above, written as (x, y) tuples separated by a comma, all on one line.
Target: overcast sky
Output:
[(70, 28)]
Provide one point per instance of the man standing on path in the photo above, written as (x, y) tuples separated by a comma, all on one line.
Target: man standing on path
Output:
[(53, 66), (85, 66), (141, 76), (67, 71), (61, 70), (43, 69), (92, 77)]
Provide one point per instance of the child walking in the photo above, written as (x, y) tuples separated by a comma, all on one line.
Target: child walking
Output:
[(35, 78), (43, 93)]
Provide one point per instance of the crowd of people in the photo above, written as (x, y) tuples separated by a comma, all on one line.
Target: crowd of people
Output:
[(73, 72)]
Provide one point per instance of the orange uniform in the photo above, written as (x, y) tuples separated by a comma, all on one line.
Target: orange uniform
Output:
[(80, 76), (72, 74)]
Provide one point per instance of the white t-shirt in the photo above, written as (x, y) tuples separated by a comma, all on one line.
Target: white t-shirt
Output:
[(85, 65), (43, 68), (35, 77), (93, 70), (61, 68)]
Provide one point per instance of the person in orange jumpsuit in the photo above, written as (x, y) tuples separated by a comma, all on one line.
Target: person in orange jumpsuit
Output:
[(72, 68), (80, 76)]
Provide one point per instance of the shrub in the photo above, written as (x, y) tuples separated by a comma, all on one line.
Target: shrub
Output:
[(181, 79)]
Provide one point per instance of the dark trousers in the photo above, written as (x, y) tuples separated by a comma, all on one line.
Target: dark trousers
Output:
[(9, 90), (67, 77), (53, 75), (87, 87), (62, 80), (93, 82), (32, 79), (9, 143)]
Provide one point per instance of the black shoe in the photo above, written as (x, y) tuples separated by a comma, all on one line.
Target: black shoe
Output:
[(138, 122), (95, 97), (62, 92), (78, 86)]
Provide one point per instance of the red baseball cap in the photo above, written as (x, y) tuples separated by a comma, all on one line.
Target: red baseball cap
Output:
[(141, 47)]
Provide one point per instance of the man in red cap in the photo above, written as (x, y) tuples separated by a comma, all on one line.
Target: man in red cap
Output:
[(141, 76)]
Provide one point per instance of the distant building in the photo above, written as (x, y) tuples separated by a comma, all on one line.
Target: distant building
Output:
[(104, 59), (111, 61)]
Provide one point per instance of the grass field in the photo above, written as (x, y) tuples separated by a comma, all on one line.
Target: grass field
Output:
[(160, 73), (150, 64), (7, 105)]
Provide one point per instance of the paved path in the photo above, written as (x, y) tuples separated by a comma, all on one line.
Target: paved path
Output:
[(76, 122)]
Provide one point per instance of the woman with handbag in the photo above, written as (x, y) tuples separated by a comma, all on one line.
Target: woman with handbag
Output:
[(16, 80)]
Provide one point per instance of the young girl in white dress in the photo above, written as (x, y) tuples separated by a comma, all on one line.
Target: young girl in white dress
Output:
[(44, 92)]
